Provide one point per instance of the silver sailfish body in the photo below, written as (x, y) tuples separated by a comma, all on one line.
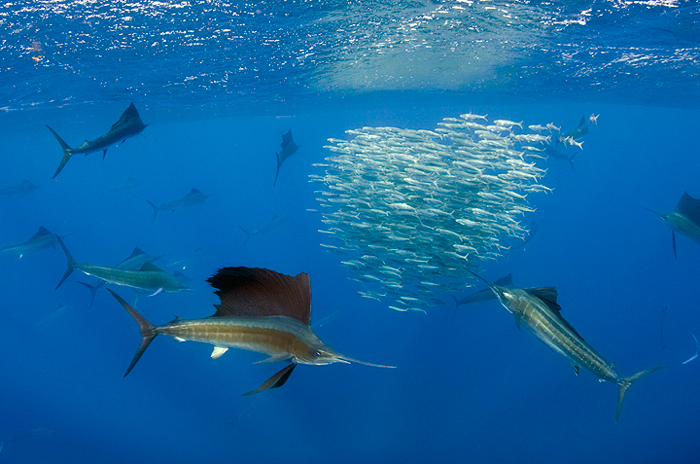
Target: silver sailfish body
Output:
[(538, 311), (262, 311)]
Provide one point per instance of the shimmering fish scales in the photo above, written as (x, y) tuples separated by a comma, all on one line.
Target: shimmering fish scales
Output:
[(261, 310), (537, 309)]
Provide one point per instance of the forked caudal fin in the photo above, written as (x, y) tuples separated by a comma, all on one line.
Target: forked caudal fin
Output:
[(155, 211), (625, 384), (147, 331), (72, 265), (67, 152)]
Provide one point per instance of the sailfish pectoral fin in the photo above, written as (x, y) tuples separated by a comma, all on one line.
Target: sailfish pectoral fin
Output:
[(275, 357), (276, 380)]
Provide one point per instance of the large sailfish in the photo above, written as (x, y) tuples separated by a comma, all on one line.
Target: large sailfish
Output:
[(537, 309), (261, 310)]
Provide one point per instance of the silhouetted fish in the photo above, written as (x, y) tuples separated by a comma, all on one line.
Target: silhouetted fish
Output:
[(288, 149), (42, 239), (538, 310), (273, 223), (136, 260), (685, 219), (193, 198), (129, 125), (575, 134), (260, 310), (149, 277), (534, 228), (21, 189)]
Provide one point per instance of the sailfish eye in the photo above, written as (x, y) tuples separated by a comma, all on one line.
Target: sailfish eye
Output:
[(317, 353)]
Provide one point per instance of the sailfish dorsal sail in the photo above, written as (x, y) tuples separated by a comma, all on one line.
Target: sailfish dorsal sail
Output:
[(261, 292)]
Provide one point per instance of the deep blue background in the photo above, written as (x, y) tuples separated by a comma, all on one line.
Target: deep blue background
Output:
[(468, 386)]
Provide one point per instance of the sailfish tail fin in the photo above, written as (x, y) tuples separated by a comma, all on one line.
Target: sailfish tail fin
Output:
[(148, 332), (155, 210), (72, 265), (67, 152), (625, 384)]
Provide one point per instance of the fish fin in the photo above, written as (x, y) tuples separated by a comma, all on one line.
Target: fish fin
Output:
[(155, 210), (517, 320), (129, 115), (93, 291), (104, 153), (287, 139), (67, 151), (150, 267), (505, 281), (673, 240), (247, 234), (194, 191), (42, 231), (576, 368), (275, 357), (625, 384), (547, 294), (218, 352), (276, 380), (248, 291), (156, 292), (72, 265), (689, 207), (147, 331)]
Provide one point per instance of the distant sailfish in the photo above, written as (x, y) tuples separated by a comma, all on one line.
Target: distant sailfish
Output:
[(261, 310), (193, 198), (538, 310), (149, 277), (39, 241), (288, 149), (129, 125), (685, 219), (20, 189)]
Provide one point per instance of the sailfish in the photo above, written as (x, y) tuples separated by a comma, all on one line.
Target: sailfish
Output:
[(129, 125), (537, 309), (288, 149), (261, 310), (685, 219)]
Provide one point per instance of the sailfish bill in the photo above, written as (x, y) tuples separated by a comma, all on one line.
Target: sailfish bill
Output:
[(129, 125), (537, 309), (261, 310)]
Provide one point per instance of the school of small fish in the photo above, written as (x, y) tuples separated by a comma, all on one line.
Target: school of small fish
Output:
[(412, 209)]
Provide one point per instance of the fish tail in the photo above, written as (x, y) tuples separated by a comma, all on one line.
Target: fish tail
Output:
[(625, 384), (247, 235), (67, 152), (278, 169), (148, 331), (155, 210), (93, 291), (72, 265)]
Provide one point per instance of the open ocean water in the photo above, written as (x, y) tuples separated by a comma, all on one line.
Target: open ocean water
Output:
[(219, 83)]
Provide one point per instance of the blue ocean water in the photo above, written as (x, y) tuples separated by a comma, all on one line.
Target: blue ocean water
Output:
[(220, 83)]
